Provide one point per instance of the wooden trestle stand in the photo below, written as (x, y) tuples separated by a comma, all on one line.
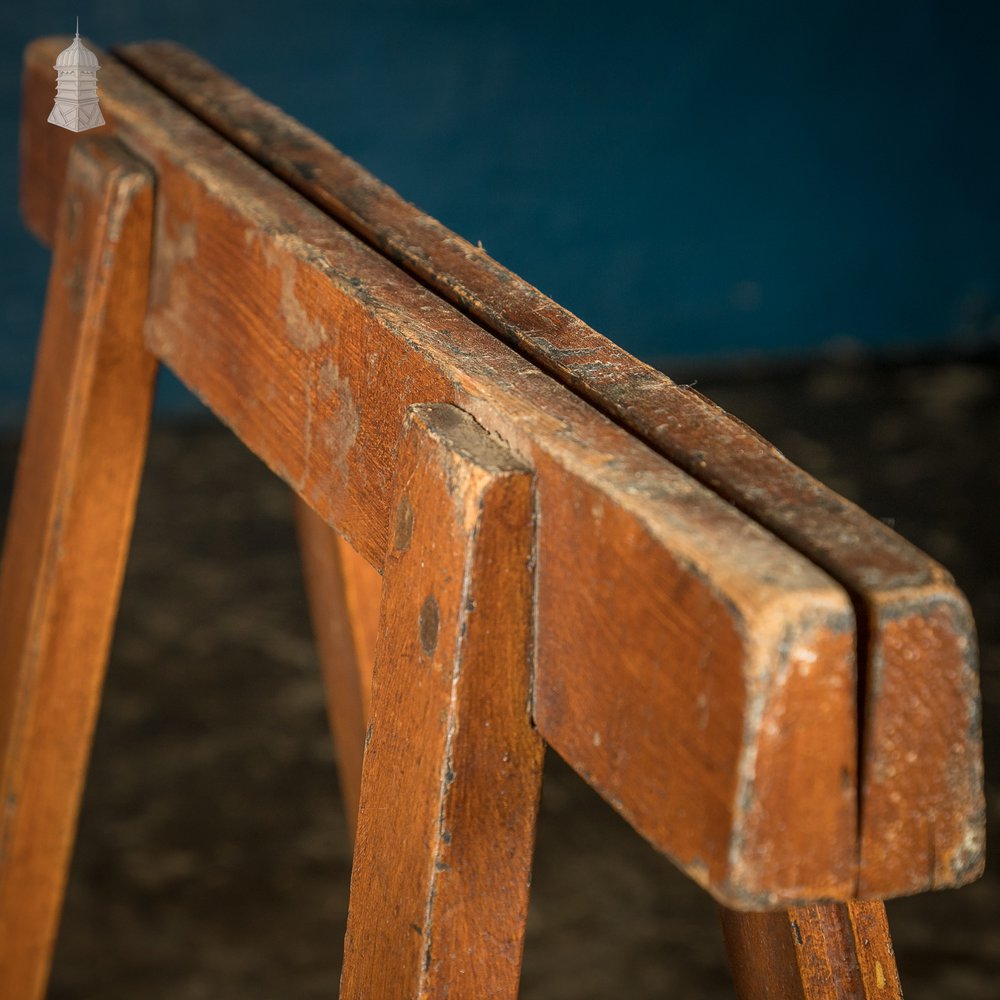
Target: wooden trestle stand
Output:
[(514, 534)]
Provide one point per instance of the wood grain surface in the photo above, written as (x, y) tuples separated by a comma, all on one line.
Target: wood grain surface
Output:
[(344, 594), (67, 537), (833, 951), (452, 769), (920, 770), (722, 715)]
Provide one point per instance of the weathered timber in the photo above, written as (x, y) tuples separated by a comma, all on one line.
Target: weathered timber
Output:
[(67, 537), (452, 770), (721, 713), (921, 757), (363, 591), (344, 593), (831, 951)]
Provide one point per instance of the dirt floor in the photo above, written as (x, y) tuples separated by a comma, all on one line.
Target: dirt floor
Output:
[(212, 859)]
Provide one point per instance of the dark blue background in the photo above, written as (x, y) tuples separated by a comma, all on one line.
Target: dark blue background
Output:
[(691, 179)]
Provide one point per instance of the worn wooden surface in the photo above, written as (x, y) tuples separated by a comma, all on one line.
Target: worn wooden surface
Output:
[(363, 590), (832, 951), (723, 728), (920, 758), (67, 537), (452, 770), (344, 593)]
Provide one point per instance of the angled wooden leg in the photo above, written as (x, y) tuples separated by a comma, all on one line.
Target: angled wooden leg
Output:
[(452, 770), (67, 538), (344, 594), (832, 951)]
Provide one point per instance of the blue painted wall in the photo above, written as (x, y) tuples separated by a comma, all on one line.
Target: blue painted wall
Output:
[(691, 179)]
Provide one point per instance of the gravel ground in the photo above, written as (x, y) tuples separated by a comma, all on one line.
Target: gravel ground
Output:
[(212, 857)]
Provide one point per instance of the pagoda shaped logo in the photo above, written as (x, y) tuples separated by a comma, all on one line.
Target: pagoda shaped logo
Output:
[(76, 106)]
